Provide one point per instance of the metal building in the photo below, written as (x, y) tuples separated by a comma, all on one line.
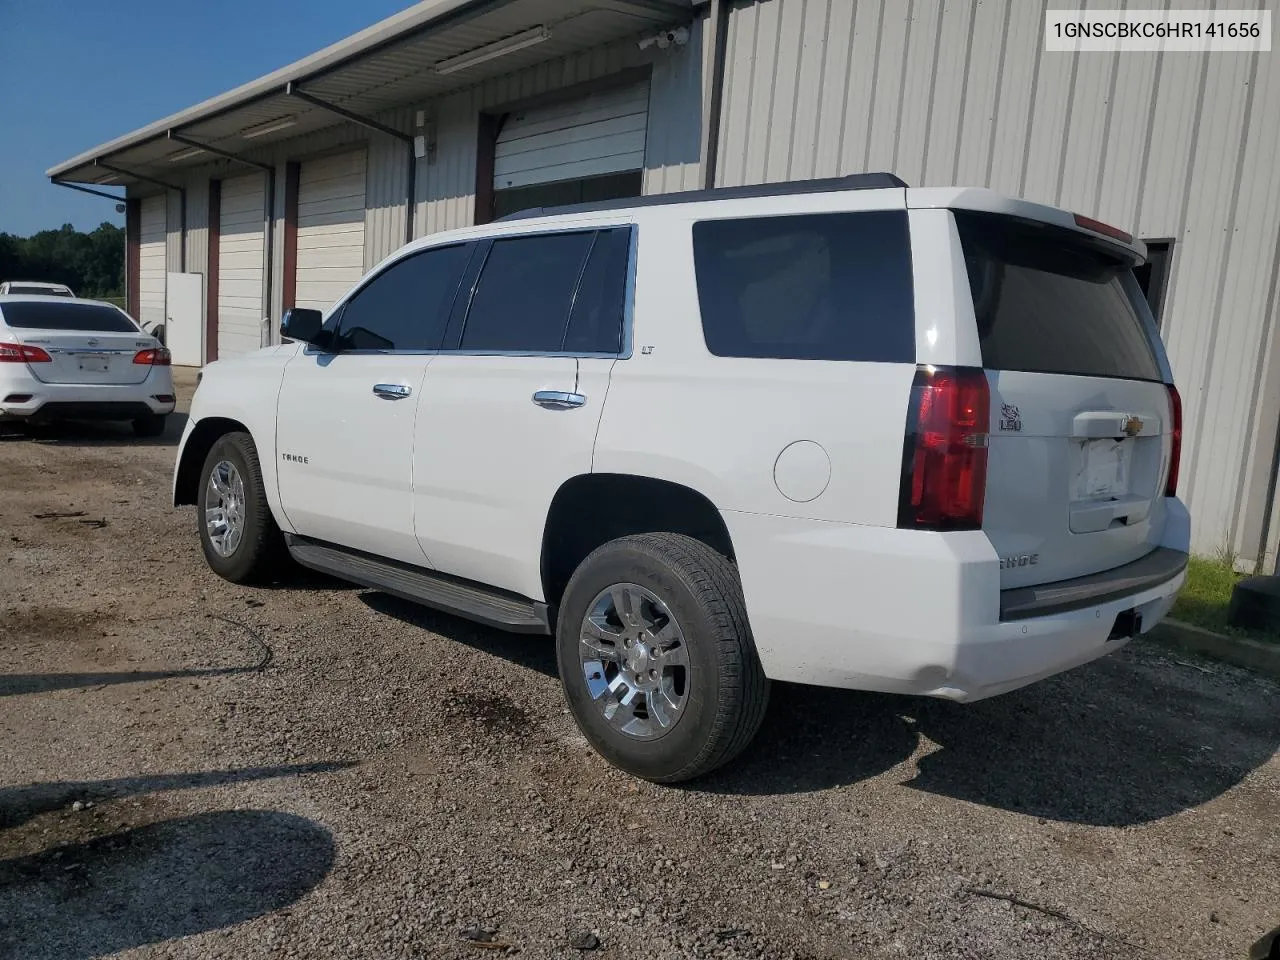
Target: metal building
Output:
[(283, 191)]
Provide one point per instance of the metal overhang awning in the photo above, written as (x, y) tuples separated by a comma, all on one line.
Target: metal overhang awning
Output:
[(434, 48)]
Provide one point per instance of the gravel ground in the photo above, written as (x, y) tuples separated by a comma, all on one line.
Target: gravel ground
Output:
[(194, 769)]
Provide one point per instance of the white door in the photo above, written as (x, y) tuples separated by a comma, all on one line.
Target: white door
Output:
[(510, 412), (330, 229), (345, 426), (241, 251), (574, 140), (184, 316), (152, 263)]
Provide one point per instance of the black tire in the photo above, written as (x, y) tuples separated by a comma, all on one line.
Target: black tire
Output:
[(726, 689), (260, 554), (151, 425)]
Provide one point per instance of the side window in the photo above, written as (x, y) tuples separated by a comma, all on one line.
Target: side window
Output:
[(523, 296), (406, 306), (832, 286), (595, 323)]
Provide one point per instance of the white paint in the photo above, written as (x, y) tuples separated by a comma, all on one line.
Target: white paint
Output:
[(241, 254), (836, 593), (331, 228), (184, 318), (152, 260)]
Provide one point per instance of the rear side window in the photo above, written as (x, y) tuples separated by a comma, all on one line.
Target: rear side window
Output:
[(1048, 301), (406, 306), (833, 286), (595, 322), (525, 293), (51, 315)]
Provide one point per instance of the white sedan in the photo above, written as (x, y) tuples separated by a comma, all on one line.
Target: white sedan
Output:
[(68, 359)]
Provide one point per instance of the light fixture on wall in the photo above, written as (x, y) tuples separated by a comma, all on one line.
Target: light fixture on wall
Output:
[(271, 126), (186, 154), (491, 51)]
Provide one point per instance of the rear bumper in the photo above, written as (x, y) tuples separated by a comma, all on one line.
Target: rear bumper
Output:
[(899, 611), (22, 397)]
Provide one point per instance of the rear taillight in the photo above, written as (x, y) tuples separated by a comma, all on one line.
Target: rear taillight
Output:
[(159, 357), (1175, 441), (22, 353), (944, 455)]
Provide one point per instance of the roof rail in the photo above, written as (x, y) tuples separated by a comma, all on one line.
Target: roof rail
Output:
[(856, 181)]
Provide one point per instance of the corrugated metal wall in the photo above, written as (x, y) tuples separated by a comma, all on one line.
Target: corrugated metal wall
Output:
[(446, 187), (1170, 145)]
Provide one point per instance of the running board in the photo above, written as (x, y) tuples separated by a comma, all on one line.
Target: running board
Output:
[(463, 598)]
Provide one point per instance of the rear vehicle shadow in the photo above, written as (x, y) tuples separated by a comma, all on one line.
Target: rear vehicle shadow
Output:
[(532, 652), (1123, 741), (93, 433), (20, 804), (16, 684), (152, 883), (1119, 742)]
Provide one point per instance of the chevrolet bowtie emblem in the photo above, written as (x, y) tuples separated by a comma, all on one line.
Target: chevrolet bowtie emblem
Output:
[(1132, 426)]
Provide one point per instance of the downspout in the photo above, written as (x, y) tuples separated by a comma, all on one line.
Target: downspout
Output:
[(712, 105), (269, 280)]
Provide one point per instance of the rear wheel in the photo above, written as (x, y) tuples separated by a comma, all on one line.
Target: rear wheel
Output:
[(240, 538), (656, 657), (152, 425)]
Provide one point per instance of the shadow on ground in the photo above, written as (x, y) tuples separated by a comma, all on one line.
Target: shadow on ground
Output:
[(529, 651), (1129, 739), (20, 804), (94, 433), (153, 883), (1126, 740), (14, 684)]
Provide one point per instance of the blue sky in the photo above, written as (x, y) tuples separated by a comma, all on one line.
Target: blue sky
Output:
[(74, 74)]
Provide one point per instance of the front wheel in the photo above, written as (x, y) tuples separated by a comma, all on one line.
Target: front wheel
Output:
[(656, 657), (240, 538)]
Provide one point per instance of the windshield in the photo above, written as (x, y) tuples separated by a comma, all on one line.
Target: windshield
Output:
[(51, 315)]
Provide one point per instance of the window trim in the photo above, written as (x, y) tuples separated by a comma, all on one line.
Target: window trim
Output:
[(628, 300)]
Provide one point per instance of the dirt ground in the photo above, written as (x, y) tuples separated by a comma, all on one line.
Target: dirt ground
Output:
[(193, 769)]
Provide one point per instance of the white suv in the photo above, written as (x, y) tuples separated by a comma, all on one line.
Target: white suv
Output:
[(836, 432)]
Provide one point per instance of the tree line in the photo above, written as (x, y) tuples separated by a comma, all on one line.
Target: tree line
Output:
[(91, 264)]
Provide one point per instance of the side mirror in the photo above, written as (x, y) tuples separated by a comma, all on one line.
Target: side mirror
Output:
[(301, 323)]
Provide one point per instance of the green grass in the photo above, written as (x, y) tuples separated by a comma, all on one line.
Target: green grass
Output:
[(1204, 599)]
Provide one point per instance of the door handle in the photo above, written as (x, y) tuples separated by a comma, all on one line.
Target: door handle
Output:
[(391, 391), (558, 399)]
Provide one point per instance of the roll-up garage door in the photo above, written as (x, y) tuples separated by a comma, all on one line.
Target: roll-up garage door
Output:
[(330, 229), (241, 229), (578, 140), (151, 260)]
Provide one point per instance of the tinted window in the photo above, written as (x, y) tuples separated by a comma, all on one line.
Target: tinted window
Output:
[(404, 307), (595, 323), (814, 287), (1049, 301), (524, 293), (51, 315), (41, 291)]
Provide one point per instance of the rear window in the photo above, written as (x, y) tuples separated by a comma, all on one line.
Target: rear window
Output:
[(42, 291), (1047, 301), (832, 286), (50, 315)]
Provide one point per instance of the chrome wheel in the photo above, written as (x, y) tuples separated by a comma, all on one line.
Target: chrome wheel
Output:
[(635, 661), (224, 508)]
